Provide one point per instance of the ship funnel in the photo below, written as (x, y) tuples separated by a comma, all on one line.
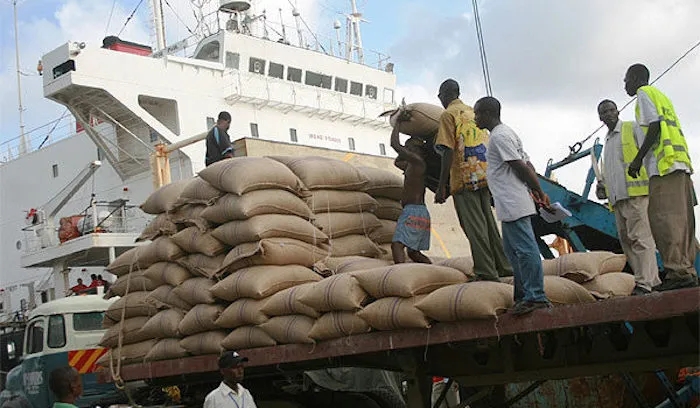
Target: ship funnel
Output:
[(228, 6)]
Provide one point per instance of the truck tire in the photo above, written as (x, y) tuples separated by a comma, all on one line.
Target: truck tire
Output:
[(386, 398)]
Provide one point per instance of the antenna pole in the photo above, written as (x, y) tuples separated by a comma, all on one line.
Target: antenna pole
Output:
[(284, 30), (159, 23), (354, 32), (22, 138), (297, 17)]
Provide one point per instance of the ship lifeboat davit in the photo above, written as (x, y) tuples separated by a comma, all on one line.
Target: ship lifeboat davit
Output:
[(229, 6)]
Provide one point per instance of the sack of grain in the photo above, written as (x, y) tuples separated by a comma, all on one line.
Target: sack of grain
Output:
[(465, 301), (272, 251), (247, 337), (195, 291), (261, 173), (136, 281), (565, 291), (164, 297), (163, 249), (165, 198), (385, 233), (258, 282), (160, 225), (345, 264), (382, 183), (286, 302), (166, 349), (131, 305), (128, 354), (163, 325), (242, 312), (323, 173), (269, 226), (333, 325), (233, 207), (200, 318), (611, 284), (584, 266), (190, 215), (353, 245), (424, 119), (107, 322), (130, 330), (129, 261), (464, 264), (385, 254), (193, 240), (167, 273), (323, 201), (335, 293), (392, 313), (202, 265), (388, 209), (198, 191), (408, 279), (339, 224), (204, 343), (289, 329)]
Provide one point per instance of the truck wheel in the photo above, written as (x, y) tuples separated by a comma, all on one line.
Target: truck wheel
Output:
[(386, 398)]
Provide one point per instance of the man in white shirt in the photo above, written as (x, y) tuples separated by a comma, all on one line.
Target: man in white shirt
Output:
[(230, 393)]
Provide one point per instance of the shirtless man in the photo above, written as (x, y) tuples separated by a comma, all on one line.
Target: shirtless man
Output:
[(413, 226)]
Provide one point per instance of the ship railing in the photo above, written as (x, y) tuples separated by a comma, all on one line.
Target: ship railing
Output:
[(37, 138)]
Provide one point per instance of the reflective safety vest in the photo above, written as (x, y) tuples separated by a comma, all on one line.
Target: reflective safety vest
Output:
[(635, 186), (672, 147)]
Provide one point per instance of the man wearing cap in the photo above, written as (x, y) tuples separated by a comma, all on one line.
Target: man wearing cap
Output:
[(230, 392)]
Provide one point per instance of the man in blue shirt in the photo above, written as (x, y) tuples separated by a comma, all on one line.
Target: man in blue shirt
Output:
[(218, 142)]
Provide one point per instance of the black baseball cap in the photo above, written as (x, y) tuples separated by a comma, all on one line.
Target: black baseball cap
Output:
[(231, 359)]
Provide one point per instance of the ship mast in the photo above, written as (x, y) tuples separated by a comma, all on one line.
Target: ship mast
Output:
[(22, 139), (158, 23)]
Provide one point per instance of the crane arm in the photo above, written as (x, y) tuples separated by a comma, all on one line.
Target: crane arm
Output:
[(53, 206)]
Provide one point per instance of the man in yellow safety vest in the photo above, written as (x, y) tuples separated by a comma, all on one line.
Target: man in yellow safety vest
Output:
[(671, 196)]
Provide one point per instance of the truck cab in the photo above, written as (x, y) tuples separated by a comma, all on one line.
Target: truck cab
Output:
[(59, 333)]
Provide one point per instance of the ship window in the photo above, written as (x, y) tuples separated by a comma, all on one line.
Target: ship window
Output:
[(371, 91), (351, 143), (356, 88), (293, 135), (209, 52), (341, 85), (233, 60), (276, 70), (382, 149), (54, 169), (154, 135), (100, 154), (257, 66), (319, 80), (388, 95), (210, 122), (254, 130), (57, 332), (63, 68), (293, 74)]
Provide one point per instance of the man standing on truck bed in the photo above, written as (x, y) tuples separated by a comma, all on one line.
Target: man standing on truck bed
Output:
[(230, 393), (218, 142), (671, 196), (66, 385)]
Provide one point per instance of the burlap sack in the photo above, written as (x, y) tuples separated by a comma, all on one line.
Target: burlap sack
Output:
[(507, 279), (202, 265), (160, 225), (424, 119), (131, 305), (167, 273), (383, 183), (388, 209), (272, 251), (193, 240), (611, 284), (164, 297), (336, 293), (339, 224), (323, 201), (385, 233), (243, 174), (465, 301), (107, 322), (136, 282), (392, 313), (200, 318), (584, 266), (128, 354), (129, 261), (565, 291), (323, 173), (289, 329), (204, 343), (269, 226), (385, 254), (333, 325), (258, 282), (232, 207), (247, 337), (163, 325), (353, 245), (464, 264), (408, 279), (241, 313), (130, 331), (163, 249), (166, 349), (198, 191), (195, 291), (345, 264), (190, 215), (165, 198), (286, 302)]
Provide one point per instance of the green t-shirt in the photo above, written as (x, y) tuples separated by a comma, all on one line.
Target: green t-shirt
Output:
[(63, 405)]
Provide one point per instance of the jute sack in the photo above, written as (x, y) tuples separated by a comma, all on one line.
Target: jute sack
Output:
[(289, 329), (167, 273), (202, 265), (163, 325), (258, 282), (166, 349), (242, 312), (465, 301), (247, 337), (464, 264), (130, 331), (243, 174), (132, 305), (204, 343), (565, 291), (272, 251), (406, 280), (200, 318), (335, 293), (339, 224), (198, 191), (164, 297), (382, 183), (107, 322), (353, 245), (345, 264), (163, 249), (338, 324), (162, 224), (286, 302), (611, 284), (136, 281), (128, 354), (165, 198), (388, 209), (323, 173), (129, 261), (269, 226), (190, 215), (584, 266), (195, 291), (323, 201), (423, 122), (385, 233), (194, 240), (393, 313), (232, 207)]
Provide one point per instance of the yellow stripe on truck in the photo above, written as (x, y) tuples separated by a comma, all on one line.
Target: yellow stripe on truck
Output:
[(76, 357)]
